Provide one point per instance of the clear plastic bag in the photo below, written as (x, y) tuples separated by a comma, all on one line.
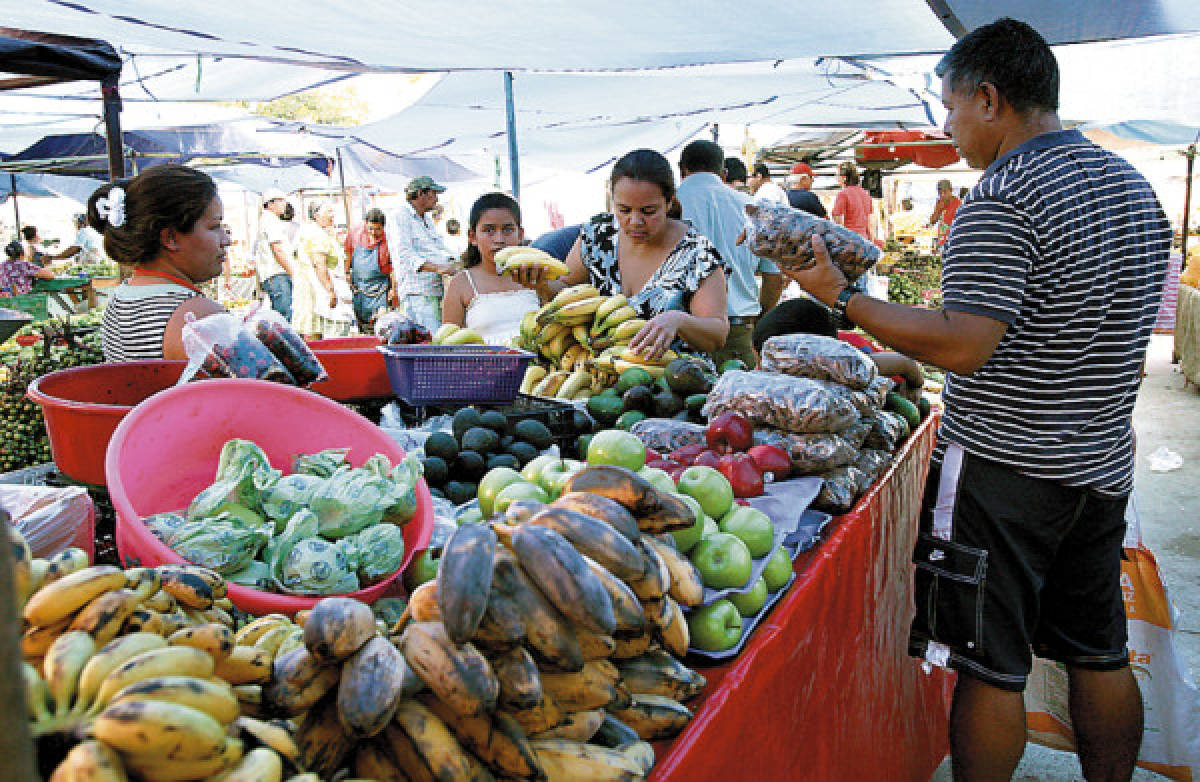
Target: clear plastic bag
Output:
[(873, 463), (286, 344), (50, 518), (395, 328), (666, 434), (840, 489), (220, 346), (811, 454), (887, 431), (822, 358), (784, 235), (794, 404)]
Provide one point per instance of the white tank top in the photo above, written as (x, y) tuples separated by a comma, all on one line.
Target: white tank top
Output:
[(497, 316)]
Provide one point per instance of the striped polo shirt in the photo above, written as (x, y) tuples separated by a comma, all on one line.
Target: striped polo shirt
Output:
[(135, 319), (1067, 244)]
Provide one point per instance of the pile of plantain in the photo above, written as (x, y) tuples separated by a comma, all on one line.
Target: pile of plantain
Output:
[(582, 339)]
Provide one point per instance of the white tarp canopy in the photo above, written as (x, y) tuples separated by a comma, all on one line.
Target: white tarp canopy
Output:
[(582, 34)]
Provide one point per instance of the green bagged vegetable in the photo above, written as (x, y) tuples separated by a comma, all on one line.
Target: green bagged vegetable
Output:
[(163, 525), (349, 501), (322, 464), (256, 574), (404, 491), (243, 474), (380, 552), (222, 543), (303, 563), (288, 495), (240, 458)]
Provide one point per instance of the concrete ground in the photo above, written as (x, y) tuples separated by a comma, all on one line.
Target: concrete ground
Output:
[(1167, 414)]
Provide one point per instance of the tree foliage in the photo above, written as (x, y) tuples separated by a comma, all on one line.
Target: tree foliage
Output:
[(330, 105)]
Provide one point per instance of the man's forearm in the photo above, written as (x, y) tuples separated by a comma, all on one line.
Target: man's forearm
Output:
[(281, 257), (952, 340), (770, 291)]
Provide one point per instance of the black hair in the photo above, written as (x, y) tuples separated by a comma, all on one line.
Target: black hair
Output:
[(794, 316), (166, 196), (850, 172), (735, 170), (702, 155), (471, 256), (762, 170), (14, 250), (289, 212), (375, 216), (1011, 56), (645, 165), (29, 232)]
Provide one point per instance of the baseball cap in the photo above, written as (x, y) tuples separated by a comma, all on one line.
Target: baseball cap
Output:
[(273, 193), (802, 168), (423, 183)]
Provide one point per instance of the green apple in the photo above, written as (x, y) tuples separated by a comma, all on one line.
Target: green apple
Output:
[(521, 490), (778, 569), (715, 627), (688, 537), (658, 479), (708, 487), (422, 568), (749, 603), (751, 525), (613, 446), (723, 561), (554, 476), (710, 528), (496, 479), (533, 469)]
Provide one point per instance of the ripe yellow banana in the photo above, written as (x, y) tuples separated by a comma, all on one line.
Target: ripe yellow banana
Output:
[(211, 696), (620, 365), (511, 258), (259, 765), (578, 312), (108, 659), (578, 381), (627, 330), (563, 759), (533, 375), (64, 662), (208, 767), (104, 617), (581, 336), (59, 600), (64, 563), (274, 735), (167, 730), (192, 586), (613, 304), (574, 354), (249, 634), (551, 383), (90, 761), (569, 296), (245, 665), (177, 660), (211, 637), (617, 317), (434, 742), (551, 333), (443, 333), (37, 640), (529, 327), (144, 581), (36, 693), (271, 640), (160, 601)]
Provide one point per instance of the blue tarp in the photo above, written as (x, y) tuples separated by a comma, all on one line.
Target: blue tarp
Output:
[(48, 185), (1152, 131)]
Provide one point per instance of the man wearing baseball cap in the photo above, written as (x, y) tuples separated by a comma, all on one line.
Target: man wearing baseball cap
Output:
[(798, 193), (273, 253), (419, 256)]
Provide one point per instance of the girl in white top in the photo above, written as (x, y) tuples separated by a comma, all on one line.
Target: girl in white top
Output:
[(477, 297)]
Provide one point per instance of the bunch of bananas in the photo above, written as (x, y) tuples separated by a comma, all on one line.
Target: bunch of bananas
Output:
[(521, 257), (449, 335), (583, 341)]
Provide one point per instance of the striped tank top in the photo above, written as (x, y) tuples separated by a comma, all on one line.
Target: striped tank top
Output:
[(136, 318)]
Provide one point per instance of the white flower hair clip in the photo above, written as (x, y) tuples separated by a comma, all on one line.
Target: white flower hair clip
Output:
[(112, 207)]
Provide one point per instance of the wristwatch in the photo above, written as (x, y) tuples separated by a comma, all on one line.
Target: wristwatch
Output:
[(838, 313)]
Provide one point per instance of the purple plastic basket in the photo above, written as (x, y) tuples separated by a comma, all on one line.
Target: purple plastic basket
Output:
[(427, 375)]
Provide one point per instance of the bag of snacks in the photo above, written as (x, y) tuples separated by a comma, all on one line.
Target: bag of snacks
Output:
[(810, 453), (840, 489), (395, 328), (784, 235), (666, 434), (888, 430), (219, 346), (822, 358), (873, 463), (286, 344), (794, 404)]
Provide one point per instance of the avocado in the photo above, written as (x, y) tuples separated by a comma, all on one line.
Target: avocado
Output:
[(629, 418), (633, 377), (494, 420), (506, 440), (733, 363), (534, 432), (639, 398), (906, 409), (581, 422), (436, 471), (686, 377), (503, 460), (525, 452), (581, 446), (667, 404), (464, 419), (480, 439), (606, 409), (610, 392), (469, 466), (695, 402), (443, 446), (460, 492)]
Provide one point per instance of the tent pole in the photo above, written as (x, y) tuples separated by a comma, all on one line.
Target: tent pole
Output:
[(1187, 196), (342, 181), (112, 130), (12, 178), (510, 116)]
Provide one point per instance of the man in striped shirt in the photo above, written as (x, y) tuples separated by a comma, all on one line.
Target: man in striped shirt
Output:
[(1051, 282)]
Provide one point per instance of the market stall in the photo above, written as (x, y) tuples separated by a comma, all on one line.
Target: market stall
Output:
[(1187, 332)]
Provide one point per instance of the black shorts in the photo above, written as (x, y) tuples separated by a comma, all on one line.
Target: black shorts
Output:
[(1007, 565)]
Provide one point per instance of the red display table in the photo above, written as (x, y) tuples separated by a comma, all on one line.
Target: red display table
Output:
[(825, 689)]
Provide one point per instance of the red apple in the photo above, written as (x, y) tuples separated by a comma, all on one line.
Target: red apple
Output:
[(663, 464), (687, 454), (772, 461), (739, 469), (730, 431), (741, 501), (707, 459), (675, 472), (652, 455)]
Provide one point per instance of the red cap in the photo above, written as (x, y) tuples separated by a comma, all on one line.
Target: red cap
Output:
[(802, 168)]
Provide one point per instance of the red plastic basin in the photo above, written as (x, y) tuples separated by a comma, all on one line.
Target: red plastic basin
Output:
[(166, 451), (356, 369), (82, 407)]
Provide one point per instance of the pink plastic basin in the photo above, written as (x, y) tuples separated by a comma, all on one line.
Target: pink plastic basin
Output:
[(166, 451), (82, 407), (356, 369)]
